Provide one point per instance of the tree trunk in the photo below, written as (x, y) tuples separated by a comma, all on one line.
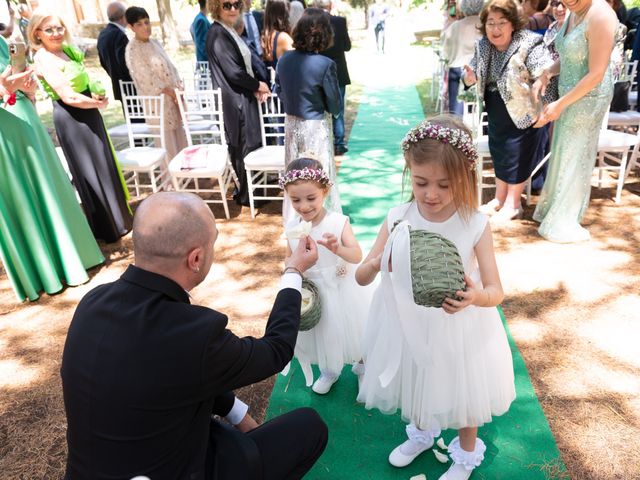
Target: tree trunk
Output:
[(168, 25), (366, 15)]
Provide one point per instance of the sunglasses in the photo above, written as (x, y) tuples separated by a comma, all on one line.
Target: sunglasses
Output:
[(51, 30), (555, 4), (229, 5)]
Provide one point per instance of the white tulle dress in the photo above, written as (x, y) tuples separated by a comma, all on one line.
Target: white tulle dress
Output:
[(441, 370), (336, 339)]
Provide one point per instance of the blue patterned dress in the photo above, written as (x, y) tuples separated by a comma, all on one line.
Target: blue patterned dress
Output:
[(565, 196)]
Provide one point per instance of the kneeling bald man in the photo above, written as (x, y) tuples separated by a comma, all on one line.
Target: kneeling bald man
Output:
[(143, 370)]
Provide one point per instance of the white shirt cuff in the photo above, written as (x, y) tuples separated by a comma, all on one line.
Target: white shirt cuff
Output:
[(291, 280), (238, 411)]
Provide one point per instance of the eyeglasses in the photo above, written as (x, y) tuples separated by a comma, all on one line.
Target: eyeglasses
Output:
[(497, 25), (556, 4), (51, 30), (229, 5)]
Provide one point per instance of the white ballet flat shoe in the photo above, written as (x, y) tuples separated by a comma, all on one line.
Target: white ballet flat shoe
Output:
[(506, 214), (324, 384), (358, 368), (404, 454), (491, 207), (418, 442)]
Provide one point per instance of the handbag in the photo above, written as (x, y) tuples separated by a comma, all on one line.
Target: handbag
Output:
[(620, 100)]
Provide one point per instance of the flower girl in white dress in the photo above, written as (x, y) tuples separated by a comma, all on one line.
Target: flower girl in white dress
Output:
[(335, 340), (447, 367)]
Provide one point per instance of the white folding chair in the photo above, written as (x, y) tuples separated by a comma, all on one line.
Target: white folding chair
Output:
[(617, 152), (150, 160), (265, 165), (201, 119), (628, 72), (202, 76), (477, 121), (630, 117), (204, 162), (120, 133)]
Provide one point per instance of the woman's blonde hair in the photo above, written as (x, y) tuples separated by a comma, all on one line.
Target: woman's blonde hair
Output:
[(459, 168), (37, 19)]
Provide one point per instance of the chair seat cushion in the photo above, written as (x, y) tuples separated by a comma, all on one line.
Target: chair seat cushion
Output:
[(120, 131), (613, 140), (140, 158), (630, 117), (215, 162), (270, 157), (483, 146), (196, 127)]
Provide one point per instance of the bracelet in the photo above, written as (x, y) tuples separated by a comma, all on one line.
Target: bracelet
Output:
[(293, 270)]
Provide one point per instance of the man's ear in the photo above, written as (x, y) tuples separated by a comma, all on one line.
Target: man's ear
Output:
[(194, 259)]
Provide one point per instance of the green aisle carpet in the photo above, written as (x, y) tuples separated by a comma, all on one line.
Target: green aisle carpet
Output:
[(519, 444)]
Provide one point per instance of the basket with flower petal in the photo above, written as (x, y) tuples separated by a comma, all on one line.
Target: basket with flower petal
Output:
[(310, 309), (436, 268)]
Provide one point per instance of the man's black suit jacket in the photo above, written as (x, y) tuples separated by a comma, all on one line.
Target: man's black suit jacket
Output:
[(142, 369), (341, 44), (112, 43)]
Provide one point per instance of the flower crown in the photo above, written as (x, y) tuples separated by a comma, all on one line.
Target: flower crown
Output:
[(311, 174), (451, 136)]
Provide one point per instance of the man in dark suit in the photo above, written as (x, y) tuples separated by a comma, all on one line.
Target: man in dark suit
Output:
[(143, 369), (112, 43), (341, 44)]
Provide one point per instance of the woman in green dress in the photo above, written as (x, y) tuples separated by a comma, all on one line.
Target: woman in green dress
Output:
[(584, 44), (45, 241), (80, 128)]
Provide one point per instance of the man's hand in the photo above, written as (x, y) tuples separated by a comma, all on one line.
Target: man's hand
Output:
[(247, 424), (304, 256)]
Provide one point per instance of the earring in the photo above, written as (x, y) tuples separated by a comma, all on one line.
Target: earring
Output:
[(197, 269)]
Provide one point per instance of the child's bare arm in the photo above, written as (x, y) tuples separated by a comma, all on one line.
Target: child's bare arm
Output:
[(369, 268), (348, 248), (491, 294)]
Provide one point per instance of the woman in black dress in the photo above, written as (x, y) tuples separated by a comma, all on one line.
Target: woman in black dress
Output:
[(80, 128)]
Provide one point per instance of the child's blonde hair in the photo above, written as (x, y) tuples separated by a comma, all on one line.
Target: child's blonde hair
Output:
[(459, 165)]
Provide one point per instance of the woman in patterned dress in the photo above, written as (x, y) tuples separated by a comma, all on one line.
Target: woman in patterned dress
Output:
[(153, 73)]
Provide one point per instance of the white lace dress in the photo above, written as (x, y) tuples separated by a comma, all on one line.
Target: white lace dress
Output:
[(152, 70), (441, 370), (335, 340)]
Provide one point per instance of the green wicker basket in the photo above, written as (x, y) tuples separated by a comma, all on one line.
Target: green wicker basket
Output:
[(436, 268), (311, 308)]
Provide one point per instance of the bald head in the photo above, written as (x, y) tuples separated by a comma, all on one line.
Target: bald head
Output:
[(169, 225), (115, 12)]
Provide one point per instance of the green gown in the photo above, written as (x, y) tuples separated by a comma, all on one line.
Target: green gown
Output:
[(45, 240), (565, 195)]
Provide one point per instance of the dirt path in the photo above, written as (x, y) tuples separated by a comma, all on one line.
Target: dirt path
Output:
[(573, 311)]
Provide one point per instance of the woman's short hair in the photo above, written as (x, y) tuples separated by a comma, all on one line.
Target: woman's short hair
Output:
[(313, 32), (36, 21), (276, 16), (511, 10), (135, 14), (214, 7)]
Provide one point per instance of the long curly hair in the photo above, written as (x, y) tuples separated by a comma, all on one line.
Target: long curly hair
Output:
[(313, 32)]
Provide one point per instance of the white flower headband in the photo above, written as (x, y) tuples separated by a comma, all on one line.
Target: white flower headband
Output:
[(451, 136), (311, 174)]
